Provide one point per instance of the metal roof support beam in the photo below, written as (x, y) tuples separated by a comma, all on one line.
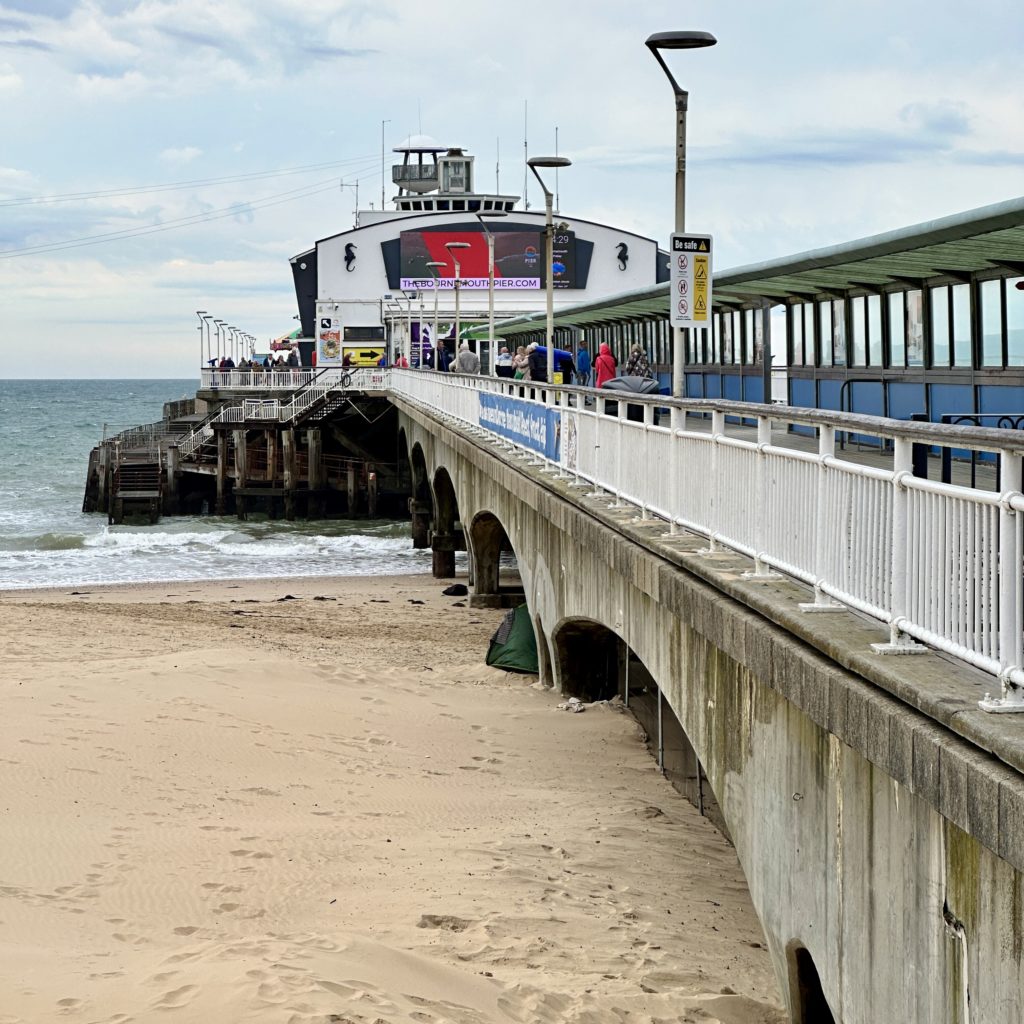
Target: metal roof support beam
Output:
[(958, 275), (1015, 266), (913, 282)]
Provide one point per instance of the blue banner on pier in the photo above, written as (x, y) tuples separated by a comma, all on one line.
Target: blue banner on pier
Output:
[(532, 426)]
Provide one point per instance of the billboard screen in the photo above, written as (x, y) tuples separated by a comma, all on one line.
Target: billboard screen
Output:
[(518, 260)]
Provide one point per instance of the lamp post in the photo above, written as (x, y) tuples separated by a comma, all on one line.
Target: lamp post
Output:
[(202, 314), (436, 264), (206, 323), (679, 41), (549, 251), (218, 324), (490, 279), (451, 247)]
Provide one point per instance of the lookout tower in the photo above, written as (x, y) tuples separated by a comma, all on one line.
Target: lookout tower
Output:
[(447, 172)]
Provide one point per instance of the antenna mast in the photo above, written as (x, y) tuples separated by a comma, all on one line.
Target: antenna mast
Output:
[(558, 205), (526, 166)]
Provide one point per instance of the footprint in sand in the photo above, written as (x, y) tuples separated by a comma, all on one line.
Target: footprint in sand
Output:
[(176, 998), (186, 929)]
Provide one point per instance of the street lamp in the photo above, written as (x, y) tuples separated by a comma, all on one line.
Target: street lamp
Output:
[(549, 251), (679, 41), (202, 314), (451, 246), (437, 287), (490, 279), (218, 324)]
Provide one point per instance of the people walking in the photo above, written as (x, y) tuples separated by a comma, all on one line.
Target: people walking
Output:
[(521, 364), (637, 365), (538, 362), (605, 366), (467, 361), (583, 366)]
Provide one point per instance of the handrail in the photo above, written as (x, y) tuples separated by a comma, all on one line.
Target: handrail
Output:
[(935, 562)]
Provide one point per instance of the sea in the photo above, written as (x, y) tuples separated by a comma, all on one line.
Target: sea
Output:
[(47, 429)]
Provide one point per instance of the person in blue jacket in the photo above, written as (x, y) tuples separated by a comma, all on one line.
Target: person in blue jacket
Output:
[(583, 365)]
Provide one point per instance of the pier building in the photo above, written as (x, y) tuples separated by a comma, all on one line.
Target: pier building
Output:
[(387, 280)]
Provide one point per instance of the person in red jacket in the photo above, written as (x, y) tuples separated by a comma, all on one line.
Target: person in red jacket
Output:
[(604, 365)]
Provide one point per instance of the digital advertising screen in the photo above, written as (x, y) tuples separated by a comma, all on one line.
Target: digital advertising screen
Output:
[(518, 260)]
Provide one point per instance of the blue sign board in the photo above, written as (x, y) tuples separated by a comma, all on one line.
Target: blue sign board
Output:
[(527, 424)]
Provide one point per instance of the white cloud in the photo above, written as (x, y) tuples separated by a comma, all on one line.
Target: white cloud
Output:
[(10, 81), (180, 155)]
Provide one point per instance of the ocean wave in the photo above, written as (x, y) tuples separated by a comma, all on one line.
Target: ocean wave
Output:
[(44, 542)]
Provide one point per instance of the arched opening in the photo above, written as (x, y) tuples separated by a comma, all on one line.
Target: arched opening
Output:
[(808, 1001), (496, 581), (421, 504), (403, 470), (448, 536), (595, 663)]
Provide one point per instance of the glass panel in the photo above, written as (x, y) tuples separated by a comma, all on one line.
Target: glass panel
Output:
[(991, 323), (795, 316), (809, 333), (1015, 321), (915, 328), (749, 341), (838, 333), (939, 299), (859, 348), (961, 294), (875, 330), (825, 326), (897, 330), (727, 337)]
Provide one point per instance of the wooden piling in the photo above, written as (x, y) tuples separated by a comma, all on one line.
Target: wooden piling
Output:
[(288, 456), (241, 470)]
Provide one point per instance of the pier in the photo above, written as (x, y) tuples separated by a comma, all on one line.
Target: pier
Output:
[(276, 444)]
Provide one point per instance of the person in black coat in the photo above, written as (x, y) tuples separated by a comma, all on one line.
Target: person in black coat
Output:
[(538, 363)]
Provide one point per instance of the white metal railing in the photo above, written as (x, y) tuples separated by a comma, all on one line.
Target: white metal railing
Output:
[(264, 380), (316, 386), (938, 563)]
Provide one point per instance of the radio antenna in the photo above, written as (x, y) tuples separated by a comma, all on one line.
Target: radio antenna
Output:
[(526, 166), (497, 165), (558, 205)]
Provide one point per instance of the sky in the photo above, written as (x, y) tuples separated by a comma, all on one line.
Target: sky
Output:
[(809, 124)]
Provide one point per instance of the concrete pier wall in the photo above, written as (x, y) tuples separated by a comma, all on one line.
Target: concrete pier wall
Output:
[(881, 848)]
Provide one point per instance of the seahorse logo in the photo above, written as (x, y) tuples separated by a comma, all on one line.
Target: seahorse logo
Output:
[(623, 255), (350, 256)]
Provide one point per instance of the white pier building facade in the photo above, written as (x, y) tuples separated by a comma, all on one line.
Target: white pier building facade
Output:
[(383, 285)]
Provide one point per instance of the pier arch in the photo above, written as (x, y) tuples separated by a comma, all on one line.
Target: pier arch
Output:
[(421, 504), (447, 535), (592, 663), (491, 550)]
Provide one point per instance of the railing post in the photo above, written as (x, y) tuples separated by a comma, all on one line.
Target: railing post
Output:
[(676, 418), (899, 576), (717, 431), (826, 450), (620, 411), (761, 534), (1010, 554)]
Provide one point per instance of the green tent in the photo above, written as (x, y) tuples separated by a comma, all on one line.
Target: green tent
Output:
[(513, 646)]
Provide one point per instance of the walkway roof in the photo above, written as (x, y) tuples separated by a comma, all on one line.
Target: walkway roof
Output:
[(987, 239)]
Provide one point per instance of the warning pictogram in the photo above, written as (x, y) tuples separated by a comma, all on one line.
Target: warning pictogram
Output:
[(691, 278)]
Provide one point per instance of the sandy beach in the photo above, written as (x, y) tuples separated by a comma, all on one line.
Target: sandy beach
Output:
[(310, 800)]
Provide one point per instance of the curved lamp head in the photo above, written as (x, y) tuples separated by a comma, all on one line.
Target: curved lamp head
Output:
[(677, 41), (456, 245), (547, 161)]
